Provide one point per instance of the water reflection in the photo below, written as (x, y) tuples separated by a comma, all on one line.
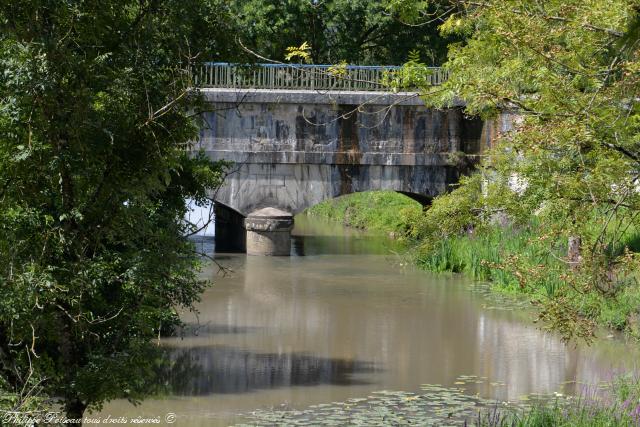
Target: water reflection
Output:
[(202, 329), (313, 237), (340, 323), (220, 369), (416, 328)]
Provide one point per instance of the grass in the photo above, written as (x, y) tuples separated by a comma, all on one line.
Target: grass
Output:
[(519, 260), (377, 211), (619, 408), (555, 415), (488, 257)]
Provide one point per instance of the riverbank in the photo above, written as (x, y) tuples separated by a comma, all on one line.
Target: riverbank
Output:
[(519, 259), (522, 260)]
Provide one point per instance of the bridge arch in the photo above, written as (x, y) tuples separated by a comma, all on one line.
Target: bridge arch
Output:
[(425, 201), (230, 231), (295, 187)]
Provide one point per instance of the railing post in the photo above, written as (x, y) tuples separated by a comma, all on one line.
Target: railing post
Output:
[(310, 77)]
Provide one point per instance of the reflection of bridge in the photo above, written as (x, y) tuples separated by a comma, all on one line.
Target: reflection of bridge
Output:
[(301, 135)]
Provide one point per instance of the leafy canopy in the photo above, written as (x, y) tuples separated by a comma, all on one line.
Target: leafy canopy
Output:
[(95, 120), (565, 74), (371, 32)]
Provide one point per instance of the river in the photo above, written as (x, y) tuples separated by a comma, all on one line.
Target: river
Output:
[(345, 317)]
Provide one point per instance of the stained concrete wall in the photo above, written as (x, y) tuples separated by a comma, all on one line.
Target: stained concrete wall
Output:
[(294, 149)]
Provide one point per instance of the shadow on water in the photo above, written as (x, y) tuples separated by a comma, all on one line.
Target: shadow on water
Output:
[(207, 329), (201, 371)]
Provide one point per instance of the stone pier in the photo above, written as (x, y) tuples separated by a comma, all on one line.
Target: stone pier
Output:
[(269, 232)]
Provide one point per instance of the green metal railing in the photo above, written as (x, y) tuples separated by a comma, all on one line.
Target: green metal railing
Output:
[(305, 77)]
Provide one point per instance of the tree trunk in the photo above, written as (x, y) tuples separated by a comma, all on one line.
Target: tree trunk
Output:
[(74, 410), (573, 252), (73, 406)]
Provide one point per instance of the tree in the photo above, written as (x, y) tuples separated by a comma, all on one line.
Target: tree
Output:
[(95, 119), (570, 71), (355, 31)]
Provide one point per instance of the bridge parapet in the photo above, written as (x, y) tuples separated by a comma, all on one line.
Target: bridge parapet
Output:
[(306, 77), (293, 149)]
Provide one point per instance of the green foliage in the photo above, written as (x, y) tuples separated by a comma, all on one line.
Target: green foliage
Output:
[(450, 213), (377, 211), (95, 120), (564, 74), (355, 31), (413, 74), (339, 70), (464, 232), (455, 24), (530, 258), (410, 11), (301, 52)]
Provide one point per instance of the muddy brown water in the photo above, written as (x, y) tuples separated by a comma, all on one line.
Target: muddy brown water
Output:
[(344, 317)]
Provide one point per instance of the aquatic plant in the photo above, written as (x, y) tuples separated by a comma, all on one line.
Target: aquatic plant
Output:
[(442, 406)]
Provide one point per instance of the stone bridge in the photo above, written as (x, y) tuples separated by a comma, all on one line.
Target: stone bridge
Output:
[(293, 148)]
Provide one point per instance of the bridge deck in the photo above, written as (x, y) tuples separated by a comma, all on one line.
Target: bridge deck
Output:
[(308, 77), (312, 97)]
